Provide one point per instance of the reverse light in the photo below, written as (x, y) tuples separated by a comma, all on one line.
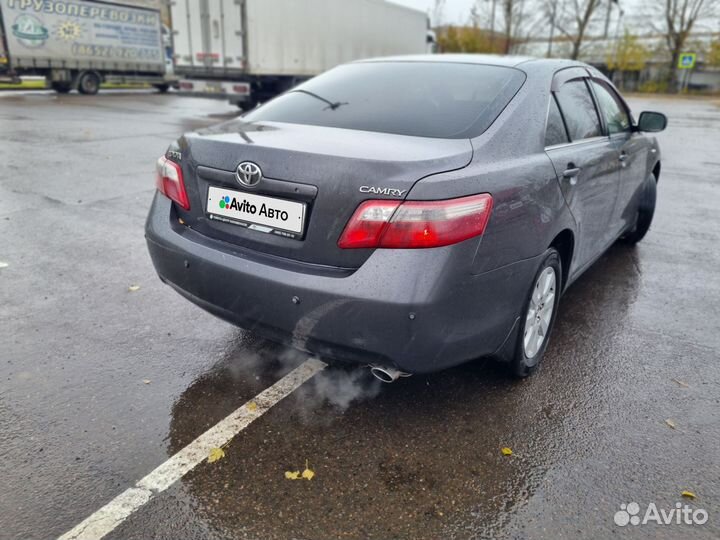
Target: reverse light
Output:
[(416, 224), (169, 181)]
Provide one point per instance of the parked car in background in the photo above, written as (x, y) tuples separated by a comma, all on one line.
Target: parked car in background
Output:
[(411, 213)]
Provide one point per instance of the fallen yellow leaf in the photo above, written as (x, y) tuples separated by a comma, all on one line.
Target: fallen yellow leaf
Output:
[(146, 381), (671, 423), (216, 454), (506, 451), (133, 288), (307, 473), (688, 494), (252, 406), (681, 383), (295, 475)]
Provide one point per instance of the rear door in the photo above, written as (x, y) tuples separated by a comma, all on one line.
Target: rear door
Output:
[(586, 165), (214, 31), (631, 147), (187, 17), (231, 26), (207, 35)]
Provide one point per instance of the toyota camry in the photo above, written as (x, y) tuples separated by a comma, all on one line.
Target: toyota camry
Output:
[(407, 213)]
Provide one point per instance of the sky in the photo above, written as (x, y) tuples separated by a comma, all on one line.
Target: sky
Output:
[(456, 11)]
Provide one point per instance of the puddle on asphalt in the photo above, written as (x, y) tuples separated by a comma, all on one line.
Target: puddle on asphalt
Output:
[(419, 457)]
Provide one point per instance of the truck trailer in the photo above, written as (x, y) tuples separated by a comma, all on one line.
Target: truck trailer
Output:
[(252, 50), (82, 43)]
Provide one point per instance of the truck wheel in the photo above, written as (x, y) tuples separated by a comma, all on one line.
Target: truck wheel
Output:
[(162, 88), (89, 83), (245, 106), (61, 87)]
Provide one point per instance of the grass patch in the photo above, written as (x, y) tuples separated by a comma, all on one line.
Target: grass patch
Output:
[(25, 85), (40, 85)]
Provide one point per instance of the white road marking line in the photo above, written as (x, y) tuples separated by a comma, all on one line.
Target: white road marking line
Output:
[(116, 511)]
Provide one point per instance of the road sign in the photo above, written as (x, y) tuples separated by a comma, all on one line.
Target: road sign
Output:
[(686, 61)]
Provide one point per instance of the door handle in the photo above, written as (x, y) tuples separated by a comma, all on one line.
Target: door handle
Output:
[(571, 174)]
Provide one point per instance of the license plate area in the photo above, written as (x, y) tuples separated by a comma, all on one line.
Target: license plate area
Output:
[(257, 212)]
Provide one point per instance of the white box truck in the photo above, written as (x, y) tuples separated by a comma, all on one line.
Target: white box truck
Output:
[(252, 50), (81, 43)]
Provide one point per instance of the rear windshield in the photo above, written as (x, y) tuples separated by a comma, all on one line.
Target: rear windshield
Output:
[(425, 99)]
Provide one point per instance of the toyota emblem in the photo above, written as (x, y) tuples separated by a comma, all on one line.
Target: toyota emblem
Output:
[(248, 173)]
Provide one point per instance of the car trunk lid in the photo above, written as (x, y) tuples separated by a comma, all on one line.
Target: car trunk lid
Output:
[(328, 171)]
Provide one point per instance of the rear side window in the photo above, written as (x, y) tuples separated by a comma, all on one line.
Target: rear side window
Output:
[(616, 117), (425, 99), (578, 110), (555, 132)]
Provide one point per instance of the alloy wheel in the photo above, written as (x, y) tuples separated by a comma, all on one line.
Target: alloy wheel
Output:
[(540, 311)]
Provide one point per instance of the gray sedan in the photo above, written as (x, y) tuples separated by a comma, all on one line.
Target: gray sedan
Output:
[(408, 213)]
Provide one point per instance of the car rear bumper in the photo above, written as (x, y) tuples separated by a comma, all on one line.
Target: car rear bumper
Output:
[(417, 310)]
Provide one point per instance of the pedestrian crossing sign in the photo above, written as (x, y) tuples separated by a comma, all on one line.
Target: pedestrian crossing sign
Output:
[(686, 61)]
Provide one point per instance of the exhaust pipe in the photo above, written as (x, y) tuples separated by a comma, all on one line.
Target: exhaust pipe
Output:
[(387, 374)]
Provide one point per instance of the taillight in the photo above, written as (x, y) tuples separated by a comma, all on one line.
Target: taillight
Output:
[(367, 224), (243, 89), (169, 181), (416, 224)]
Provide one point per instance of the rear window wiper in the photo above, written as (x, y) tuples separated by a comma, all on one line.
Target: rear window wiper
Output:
[(331, 105)]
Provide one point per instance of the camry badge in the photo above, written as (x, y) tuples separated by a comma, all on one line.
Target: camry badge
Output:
[(392, 192), (248, 173)]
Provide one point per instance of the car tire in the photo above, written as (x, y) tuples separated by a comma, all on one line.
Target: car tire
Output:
[(645, 213), (61, 87), (536, 321), (89, 83), (162, 88)]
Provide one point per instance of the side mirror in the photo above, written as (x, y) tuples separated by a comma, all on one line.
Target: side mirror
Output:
[(651, 121)]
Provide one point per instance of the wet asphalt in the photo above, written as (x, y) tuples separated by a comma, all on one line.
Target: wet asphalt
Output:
[(99, 385)]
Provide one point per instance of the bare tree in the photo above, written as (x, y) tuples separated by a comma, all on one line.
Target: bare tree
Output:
[(492, 22), (574, 21), (508, 7), (511, 19), (679, 18), (438, 13), (551, 11)]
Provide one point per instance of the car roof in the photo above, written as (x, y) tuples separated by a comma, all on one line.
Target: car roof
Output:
[(486, 59)]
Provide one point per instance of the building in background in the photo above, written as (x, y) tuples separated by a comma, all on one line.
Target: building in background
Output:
[(634, 41), (639, 62)]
